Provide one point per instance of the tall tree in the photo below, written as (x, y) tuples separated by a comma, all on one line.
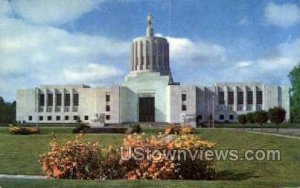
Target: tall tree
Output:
[(294, 76), (7, 112)]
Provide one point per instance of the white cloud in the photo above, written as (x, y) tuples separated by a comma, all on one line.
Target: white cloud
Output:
[(186, 51), (31, 55), (284, 15), (90, 73), (5, 8), (244, 21), (53, 11)]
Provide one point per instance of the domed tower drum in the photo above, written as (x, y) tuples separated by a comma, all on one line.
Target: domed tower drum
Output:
[(150, 53)]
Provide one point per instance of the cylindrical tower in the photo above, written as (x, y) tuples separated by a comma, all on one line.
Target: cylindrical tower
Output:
[(150, 53)]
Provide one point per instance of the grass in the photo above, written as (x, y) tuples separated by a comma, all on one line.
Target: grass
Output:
[(19, 154)]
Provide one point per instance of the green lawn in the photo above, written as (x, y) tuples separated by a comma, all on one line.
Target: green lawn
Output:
[(19, 154)]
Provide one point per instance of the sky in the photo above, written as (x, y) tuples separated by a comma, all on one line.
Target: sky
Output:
[(88, 42)]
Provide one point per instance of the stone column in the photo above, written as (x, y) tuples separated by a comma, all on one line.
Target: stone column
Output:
[(254, 98), (235, 90), (245, 98), (225, 89)]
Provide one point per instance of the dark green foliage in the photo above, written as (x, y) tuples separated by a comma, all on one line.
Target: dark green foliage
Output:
[(276, 115), (242, 119), (250, 117), (294, 76), (80, 128), (136, 128), (261, 117), (7, 112)]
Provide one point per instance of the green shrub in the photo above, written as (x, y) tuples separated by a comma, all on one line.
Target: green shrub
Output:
[(23, 130), (261, 117), (242, 118), (80, 128), (250, 117), (276, 115), (136, 128)]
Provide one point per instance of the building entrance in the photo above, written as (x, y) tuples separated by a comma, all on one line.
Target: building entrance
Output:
[(146, 109)]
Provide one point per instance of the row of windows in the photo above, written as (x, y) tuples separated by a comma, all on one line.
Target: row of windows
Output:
[(58, 99), (240, 97), (66, 118), (222, 117)]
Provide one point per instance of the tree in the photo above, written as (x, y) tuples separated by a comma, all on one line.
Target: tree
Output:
[(250, 117), (276, 115), (294, 76), (7, 112), (261, 117), (242, 119)]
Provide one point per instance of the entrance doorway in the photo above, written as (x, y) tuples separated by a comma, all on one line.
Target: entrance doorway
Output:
[(146, 109)]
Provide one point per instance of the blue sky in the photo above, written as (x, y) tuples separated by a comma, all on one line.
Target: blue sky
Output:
[(74, 42)]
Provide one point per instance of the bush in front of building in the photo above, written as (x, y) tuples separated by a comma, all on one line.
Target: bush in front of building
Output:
[(260, 117), (176, 129), (80, 128), (136, 128), (276, 115), (160, 166), (242, 119), (80, 159), (23, 130), (250, 117)]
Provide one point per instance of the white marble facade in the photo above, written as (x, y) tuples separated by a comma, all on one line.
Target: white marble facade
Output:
[(148, 94)]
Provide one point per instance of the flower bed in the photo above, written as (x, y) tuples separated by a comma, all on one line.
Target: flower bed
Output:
[(139, 157)]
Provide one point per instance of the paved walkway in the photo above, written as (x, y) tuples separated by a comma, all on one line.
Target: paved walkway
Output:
[(6, 176)]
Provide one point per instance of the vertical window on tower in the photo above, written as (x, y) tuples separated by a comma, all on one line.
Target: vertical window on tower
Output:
[(50, 99), (76, 99), (183, 97), (67, 99), (259, 97), (183, 107), (107, 98), (42, 100), (240, 97), (221, 97), (230, 98)]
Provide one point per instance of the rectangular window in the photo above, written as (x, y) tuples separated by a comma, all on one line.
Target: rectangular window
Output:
[(231, 116), (75, 118), (221, 117), (230, 98), (50, 99), (240, 97), (183, 107), (259, 97), (221, 97), (249, 97), (58, 99), (41, 118), (183, 97), (76, 99), (49, 118), (42, 100), (107, 98), (67, 99), (107, 117), (29, 118), (57, 118), (107, 108), (66, 117), (86, 117)]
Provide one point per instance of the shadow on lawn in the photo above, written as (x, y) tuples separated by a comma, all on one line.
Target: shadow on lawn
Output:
[(231, 175)]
